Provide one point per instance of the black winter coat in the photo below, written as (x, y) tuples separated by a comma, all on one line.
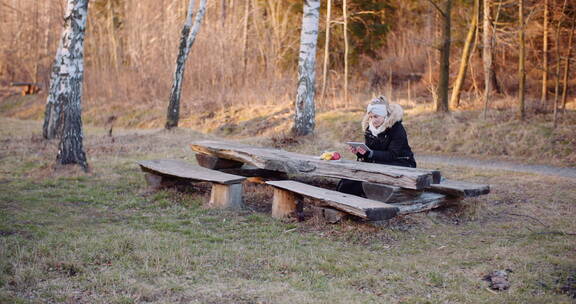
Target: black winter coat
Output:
[(389, 147)]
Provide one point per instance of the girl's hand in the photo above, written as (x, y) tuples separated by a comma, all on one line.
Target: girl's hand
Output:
[(361, 151)]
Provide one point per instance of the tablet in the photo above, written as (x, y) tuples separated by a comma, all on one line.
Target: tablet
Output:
[(357, 144)]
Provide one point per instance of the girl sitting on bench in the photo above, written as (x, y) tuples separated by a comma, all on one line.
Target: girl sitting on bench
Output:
[(386, 138)]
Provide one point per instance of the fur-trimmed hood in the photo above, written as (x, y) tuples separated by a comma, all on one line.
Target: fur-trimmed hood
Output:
[(396, 113)]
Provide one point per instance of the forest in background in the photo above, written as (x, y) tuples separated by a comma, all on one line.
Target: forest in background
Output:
[(246, 51)]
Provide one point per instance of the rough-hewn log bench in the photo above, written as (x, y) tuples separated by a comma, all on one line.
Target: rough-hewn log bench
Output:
[(287, 193), (439, 194), (226, 188)]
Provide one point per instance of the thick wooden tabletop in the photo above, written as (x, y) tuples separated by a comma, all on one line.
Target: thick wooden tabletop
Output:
[(296, 163)]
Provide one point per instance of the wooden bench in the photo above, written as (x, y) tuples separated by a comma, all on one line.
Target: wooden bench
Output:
[(28, 88), (410, 201), (226, 188), (287, 193)]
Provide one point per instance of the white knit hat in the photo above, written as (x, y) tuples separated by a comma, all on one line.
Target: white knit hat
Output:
[(378, 106)]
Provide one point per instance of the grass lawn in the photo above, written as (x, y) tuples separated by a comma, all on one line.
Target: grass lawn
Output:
[(71, 237)]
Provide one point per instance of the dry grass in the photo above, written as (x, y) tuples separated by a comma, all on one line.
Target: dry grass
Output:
[(71, 237)]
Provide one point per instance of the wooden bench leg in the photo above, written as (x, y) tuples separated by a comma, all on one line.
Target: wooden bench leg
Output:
[(226, 196), (284, 203), (155, 182)]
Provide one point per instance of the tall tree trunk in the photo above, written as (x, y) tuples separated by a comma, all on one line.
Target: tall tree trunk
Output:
[(544, 94), (444, 72), (326, 50), (521, 60), (487, 43), (346, 49), (304, 119), (69, 91), (557, 72), (466, 52), (186, 42), (245, 29), (52, 126), (567, 64)]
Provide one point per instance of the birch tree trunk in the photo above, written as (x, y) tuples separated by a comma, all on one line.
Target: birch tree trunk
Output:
[(444, 72), (487, 43), (466, 52), (68, 91), (53, 111), (326, 50), (521, 60), (187, 38), (305, 111), (544, 95)]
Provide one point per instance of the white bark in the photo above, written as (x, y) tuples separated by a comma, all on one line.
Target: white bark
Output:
[(305, 112), (66, 91), (186, 42)]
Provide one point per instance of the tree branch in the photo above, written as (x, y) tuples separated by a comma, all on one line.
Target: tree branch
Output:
[(438, 8)]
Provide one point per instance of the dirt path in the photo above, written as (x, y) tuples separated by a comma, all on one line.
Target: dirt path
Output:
[(569, 172)]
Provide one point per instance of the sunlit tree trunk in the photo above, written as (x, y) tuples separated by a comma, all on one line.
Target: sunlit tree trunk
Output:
[(521, 60), (245, 29), (544, 94), (441, 101), (346, 49), (326, 50), (67, 91), (487, 43), (466, 52), (187, 38), (567, 64), (558, 60), (304, 119)]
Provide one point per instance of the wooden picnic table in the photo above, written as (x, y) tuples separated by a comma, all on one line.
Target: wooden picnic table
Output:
[(390, 190), (296, 163)]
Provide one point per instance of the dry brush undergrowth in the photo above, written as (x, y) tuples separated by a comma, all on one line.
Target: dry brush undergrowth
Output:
[(71, 237)]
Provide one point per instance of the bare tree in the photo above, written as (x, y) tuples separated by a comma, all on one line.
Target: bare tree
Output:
[(521, 60), (487, 44), (326, 50), (466, 52), (187, 38), (544, 94), (304, 118), (346, 49), (441, 102), (567, 63), (558, 60), (245, 29), (66, 85)]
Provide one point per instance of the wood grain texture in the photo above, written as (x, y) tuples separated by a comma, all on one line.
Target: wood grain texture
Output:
[(284, 203), (460, 188), (295, 163), (424, 202), (355, 205), (226, 196), (183, 169)]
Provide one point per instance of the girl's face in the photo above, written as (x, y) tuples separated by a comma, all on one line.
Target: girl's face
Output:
[(376, 119)]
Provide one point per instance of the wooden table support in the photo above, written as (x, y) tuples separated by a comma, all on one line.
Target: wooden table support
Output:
[(226, 196), (284, 203)]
